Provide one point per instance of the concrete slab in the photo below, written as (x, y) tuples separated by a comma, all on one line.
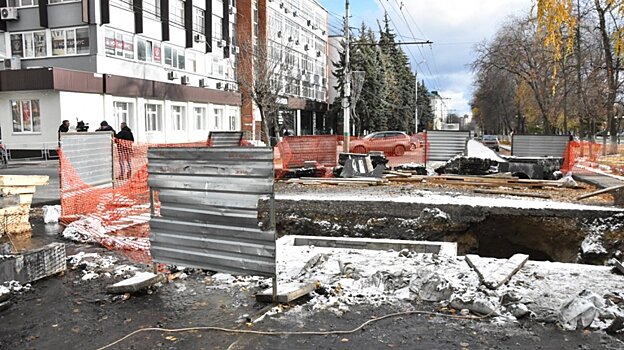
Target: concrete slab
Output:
[(134, 284), (34, 265)]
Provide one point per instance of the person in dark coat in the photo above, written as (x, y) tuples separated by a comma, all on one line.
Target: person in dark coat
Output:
[(64, 127), (105, 127), (124, 140)]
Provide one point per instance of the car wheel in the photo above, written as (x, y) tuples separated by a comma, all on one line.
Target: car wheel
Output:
[(359, 149), (399, 150)]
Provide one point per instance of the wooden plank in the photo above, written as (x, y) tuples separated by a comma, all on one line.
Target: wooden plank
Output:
[(10, 190), (136, 283), (23, 180), (599, 192), (287, 292), (510, 193), (493, 273)]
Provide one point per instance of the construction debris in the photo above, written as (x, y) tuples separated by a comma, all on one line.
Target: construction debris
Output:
[(602, 191), (580, 311), (287, 292), (461, 165), (33, 265), (14, 216), (495, 273), (141, 280)]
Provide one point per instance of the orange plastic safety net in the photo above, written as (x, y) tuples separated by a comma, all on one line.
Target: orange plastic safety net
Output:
[(583, 157)]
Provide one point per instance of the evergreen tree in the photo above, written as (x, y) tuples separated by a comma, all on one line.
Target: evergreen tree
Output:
[(425, 111)]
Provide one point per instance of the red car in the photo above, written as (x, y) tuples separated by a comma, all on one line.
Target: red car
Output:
[(390, 142)]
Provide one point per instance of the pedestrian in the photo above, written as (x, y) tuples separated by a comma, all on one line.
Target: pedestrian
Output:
[(124, 140), (105, 127), (64, 127)]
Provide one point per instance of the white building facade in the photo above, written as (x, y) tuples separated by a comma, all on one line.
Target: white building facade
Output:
[(165, 67)]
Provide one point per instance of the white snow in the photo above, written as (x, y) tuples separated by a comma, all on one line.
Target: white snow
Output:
[(51, 213), (430, 198), (477, 150), (378, 277)]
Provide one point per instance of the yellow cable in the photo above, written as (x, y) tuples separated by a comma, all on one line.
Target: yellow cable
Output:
[(269, 333)]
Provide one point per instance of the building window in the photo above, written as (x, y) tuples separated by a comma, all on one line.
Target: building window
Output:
[(124, 111), (26, 116), (27, 45), (61, 1), (70, 41), (174, 57), (232, 123), (176, 11), (199, 114), (124, 4), (218, 118), (153, 117), (152, 8), (119, 44), (217, 28), (22, 3), (178, 117), (148, 51), (199, 24)]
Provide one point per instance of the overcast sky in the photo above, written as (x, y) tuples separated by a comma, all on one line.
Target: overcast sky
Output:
[(454, 26)]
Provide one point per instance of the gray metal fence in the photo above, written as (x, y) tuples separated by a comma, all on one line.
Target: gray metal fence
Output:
[(444, 145), (209, 208), (225, 138), (539, 145), (91, 155)]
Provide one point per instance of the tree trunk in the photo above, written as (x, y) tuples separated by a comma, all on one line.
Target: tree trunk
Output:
[(611, 83)]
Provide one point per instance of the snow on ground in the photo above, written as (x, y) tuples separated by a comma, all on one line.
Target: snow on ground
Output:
[(477, 150), (430, 198), (375, 277)]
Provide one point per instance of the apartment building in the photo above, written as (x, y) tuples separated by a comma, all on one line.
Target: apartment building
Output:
[(295, 33), (165, 67)]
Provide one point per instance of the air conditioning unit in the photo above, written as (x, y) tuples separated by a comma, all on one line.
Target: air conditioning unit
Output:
[(279, 34), (309, 22), (185, 80), (219, 85), (297, 42), (221, 43), (314, 27), (226, 87), (232, 10), (318, 53), (235, 50), (294, 13), (203, 83), (172, 75), (12, 63), (281, 5), (286, 10), (200, 38), (290, 39), (8, 13), (306, 47)]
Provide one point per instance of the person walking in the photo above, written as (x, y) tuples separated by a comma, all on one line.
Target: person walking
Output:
[(124, 140)]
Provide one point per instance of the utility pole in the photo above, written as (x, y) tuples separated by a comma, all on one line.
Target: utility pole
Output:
[(416, 102), (346, 99)]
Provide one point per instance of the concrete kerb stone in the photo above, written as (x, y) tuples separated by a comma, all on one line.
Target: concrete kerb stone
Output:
[(418, 247)]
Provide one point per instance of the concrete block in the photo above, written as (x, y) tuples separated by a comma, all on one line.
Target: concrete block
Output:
[(34, 265)]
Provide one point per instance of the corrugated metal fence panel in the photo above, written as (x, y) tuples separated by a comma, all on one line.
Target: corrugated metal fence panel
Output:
[(209, 208), (539, 145), (91, 155), (225, 138), (444, 145)]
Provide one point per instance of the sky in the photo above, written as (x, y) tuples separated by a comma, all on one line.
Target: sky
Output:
[(454, 27)]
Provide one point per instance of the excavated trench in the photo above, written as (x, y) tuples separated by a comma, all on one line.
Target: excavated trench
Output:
[(564, 235)]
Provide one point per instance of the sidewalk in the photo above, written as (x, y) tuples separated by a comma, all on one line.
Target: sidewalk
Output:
[(44, 195), (597, 178)]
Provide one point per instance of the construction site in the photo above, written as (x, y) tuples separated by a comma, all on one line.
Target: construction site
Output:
[(440, 242)]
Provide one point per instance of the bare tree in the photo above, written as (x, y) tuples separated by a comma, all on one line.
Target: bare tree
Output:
[(265, 67)]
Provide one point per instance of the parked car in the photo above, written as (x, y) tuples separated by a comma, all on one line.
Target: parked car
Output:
[(491, 142), (390, 142)]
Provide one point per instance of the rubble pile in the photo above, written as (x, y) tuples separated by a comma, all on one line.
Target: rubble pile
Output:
[(461, 165)]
